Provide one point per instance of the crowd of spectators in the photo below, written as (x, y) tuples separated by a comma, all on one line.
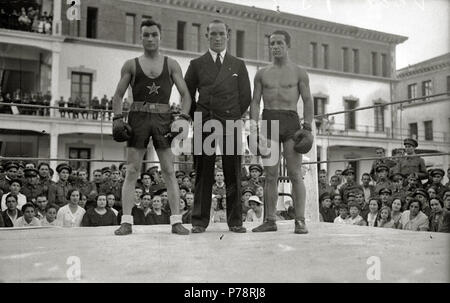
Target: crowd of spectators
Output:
[(26, 19), (8, 100), (396, 193)]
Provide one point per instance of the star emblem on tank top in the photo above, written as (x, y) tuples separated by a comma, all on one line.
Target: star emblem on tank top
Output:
[(153, 89)]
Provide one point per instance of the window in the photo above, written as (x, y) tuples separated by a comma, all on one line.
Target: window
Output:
[(356, 61), (130, 28), (413, 130), (80, 153), (350, 117), (240, 38), (313, 53), (91, 25), (267, 53), (426, 89), (384, 65), (379, 118), (345, 62), (325, 56), (181, 28), (412, 91), (428, 125), (374, 64), (196, 38), (81, 85)]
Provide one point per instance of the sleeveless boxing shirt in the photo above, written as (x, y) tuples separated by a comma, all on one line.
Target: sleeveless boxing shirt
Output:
[(152, 90)]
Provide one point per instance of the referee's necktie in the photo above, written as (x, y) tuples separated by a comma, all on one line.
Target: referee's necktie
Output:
[(218, 63)]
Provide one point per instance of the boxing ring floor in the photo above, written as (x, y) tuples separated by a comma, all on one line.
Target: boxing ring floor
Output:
[(329, 253)]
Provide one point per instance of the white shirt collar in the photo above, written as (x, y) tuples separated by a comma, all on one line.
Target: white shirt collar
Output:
[(214, 55)]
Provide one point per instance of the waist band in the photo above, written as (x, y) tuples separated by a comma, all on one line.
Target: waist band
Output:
[(137, 106)]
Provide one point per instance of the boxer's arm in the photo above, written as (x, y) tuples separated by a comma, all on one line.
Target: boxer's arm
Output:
[(245, 93), (177, 77), (125, 80), (256, 101), (308, 105)]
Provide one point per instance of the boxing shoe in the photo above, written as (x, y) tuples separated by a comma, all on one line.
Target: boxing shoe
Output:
[(238, 229), (124, 229), (269, 225), (179, 229), (300, 227)]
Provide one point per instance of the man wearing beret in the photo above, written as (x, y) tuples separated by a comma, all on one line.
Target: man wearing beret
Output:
[(63, 186), (11, 174), (350, 185), (411, 163), (382, 171), (31, 187)]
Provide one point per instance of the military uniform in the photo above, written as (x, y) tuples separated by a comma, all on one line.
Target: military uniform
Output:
[(31, 191), (114, 187), (86, 188), (349, 187), (412, 163), (63, 187), (49, 189)]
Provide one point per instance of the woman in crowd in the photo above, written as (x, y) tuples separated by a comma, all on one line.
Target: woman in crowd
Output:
[(256, 212), (100, 215), (50, 216), (28, 219), (71, 214), (83, 201), (157, 215), (437, 214), (396, 214), (432, 192), (111, 201), (372, 216), (11, 214), (214, 208), (414, 218), (185, 212), (385, 219), (221, 215)]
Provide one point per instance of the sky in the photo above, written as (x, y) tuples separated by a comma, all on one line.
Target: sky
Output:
[(424, 22)]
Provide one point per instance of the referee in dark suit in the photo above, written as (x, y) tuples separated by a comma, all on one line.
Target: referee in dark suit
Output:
[(224, 94)]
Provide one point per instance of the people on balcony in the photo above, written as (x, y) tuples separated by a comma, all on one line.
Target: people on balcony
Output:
[(29, 20)]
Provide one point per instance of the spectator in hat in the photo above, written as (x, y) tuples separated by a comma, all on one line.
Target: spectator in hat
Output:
[(31, 187), (374, 208), (354, 217), (20, 169), (380, 152), (71, 214), (438, 213), (158, 215), (63, 186), (412, 183), (101, 215), (350, 184), (385, 220), (411, 163), (256, 211), (436, 175), (41, 206), (255, 180), (398, 153), (45, 180), (14, 189), (414, 219), (219, 187), (11, 213), (10, 174), (326, 210), (86, 188), (246, 194), (324, 187), (343, 214), (106, 173), (179, 174), (114, 185), (50, 216), (382, 178), (28, 219), (422, 195), (396, 214), (385, 196)]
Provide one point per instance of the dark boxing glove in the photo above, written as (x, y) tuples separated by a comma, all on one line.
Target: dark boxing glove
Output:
[(121, 131), (303, 139)]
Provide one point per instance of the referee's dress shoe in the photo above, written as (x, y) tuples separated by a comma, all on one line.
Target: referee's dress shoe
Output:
[(124, 229), (269, 225), (198, 229), (238, 229), (179, 229)]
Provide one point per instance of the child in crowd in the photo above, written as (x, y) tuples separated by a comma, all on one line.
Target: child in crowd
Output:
[(385, 219), (28, 219), (343, 214), (41, 202), (50, 216), (326, 210), (355, 218)]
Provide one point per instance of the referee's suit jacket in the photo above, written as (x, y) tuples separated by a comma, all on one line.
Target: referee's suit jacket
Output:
[(222, 95)]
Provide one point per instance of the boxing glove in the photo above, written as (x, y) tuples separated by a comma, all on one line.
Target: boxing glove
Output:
[(303, 140), (121, 131)]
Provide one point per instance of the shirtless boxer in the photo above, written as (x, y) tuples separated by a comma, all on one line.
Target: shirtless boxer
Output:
[(151, 77), (281, 84)]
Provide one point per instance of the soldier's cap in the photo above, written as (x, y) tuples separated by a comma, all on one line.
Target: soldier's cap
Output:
[(62, 166), (348, 170), (410, 141), (106, 170), (255, 199), (393, 177), (192, 174), (437, 171), (382, 166), (421, 191), (159, 191), (324, 196), (248, 190), (255, 166), (30, 172), (385, 190), (9, 165), (179, 173)]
